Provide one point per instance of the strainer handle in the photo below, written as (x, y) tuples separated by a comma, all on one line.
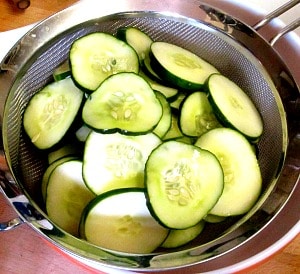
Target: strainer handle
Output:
[(274, 14)]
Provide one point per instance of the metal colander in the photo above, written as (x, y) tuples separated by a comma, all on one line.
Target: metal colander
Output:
[(220, 48)]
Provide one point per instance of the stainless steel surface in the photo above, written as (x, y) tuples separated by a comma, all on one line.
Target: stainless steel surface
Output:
[(224, 41), (276, 13)]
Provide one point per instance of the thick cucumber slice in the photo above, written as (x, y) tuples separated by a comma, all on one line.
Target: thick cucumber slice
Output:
[(114, 161), (67, 196), (120, 220), (179, 237), (179, 66), (123, 103), (165, 122), (196, 115), (51, 111), (136, 38), (242, 177), (183, 183), (234, 107), (98, 55)]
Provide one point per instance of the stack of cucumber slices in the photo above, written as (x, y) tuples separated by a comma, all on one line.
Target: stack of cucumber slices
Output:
[(146, 142)]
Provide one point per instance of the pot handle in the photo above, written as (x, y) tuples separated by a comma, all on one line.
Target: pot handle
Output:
[(277, 12)]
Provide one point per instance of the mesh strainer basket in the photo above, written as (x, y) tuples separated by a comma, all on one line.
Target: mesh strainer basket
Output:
[(29, 66)]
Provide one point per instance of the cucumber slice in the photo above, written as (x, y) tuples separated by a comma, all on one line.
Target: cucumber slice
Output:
[(67, 196), (196, 115), (82, 133), (180, 237), (174, 131), (120, 220), (123, 103), (51, 111), (69, 149), (137, 39), (183, 183), (179, 66), (146, 66), (242, 177), (169, 92), (48, 171), (234, 107), (114, 161), (165, 122), (98, 55), (214, 219), (62, 71)]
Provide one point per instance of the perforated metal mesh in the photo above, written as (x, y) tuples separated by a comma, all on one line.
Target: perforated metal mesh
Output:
[(28, 164)]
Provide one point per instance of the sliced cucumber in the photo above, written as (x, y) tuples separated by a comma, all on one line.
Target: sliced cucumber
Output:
[(123, 103), (176, 104), (120, 220), (62, 71), (180, 237), (69, 149), (234, 107), (98, 55), (114, 161), (196, 115), (48, 171), (179, 66), (183, 183), (174, 131), (136, 38), (82, 133), (67, 196), (146, 66), (242, 177), (169, 92), (165, 122), (214, 218), (51, 111)]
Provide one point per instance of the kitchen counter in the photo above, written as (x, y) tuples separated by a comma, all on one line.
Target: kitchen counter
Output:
[(22, 249)]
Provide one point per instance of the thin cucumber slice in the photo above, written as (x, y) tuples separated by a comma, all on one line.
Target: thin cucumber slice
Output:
[(165, 122), (180, 237), (120, 220), (174, 131), (69, 149), (234, 107), (82, 133), (98, 55), (214, 218), (123, 103), (67, 196), (48, 171), (51, 111), (242, 176), (137, 39), (146, 67), (183, 183), (114, 161), (176, 104), (196, 115), (62, 71), (179, 66), (169, 92)]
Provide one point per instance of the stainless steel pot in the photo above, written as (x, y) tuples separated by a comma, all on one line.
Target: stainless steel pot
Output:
[(236, 49)]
